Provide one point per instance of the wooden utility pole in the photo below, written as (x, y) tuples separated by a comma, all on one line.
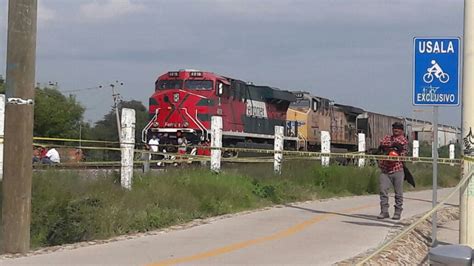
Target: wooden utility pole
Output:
[(20, 82)]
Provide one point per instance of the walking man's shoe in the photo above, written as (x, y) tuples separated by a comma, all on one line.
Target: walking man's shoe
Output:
[(396, 216), (383, 215)]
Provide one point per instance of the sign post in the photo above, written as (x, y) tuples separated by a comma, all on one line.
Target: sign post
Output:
[(434, 155), (436, 83)]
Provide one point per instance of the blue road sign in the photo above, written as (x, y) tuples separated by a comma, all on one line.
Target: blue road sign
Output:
[(436, 72)]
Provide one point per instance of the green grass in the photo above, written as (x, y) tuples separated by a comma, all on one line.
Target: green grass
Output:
[(443, 152), (68, 207)]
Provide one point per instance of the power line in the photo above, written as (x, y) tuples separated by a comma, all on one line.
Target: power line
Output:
[(92, 88), (84, 89)]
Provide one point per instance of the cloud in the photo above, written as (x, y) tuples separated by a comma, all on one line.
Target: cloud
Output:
[(108, 9), (335, 48), (340, 11), (3, 19), (45, 14)]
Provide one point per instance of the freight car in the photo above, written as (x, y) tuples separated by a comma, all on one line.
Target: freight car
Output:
[(375, 126), (422, 131), (314, 114), (184, 102)]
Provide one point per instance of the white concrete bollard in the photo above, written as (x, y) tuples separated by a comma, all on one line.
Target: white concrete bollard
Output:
[(127, 146), (216, 143), (2, 131), (361, 149), (278, 147), (146, 162), (192, 153), (451, 153), (416, 148), (325, 147)]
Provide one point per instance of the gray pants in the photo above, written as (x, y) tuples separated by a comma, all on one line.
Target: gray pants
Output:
[(395, 180)]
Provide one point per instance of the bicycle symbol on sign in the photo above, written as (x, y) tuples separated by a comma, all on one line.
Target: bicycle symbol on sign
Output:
[(435, 71)]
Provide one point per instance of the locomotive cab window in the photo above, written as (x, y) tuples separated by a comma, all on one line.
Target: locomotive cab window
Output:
[(169, 84), (302, 103), (198, 84), (314, 105)]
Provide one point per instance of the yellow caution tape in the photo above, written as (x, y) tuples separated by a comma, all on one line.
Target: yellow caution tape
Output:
[(76, 147), (468, 158), (75, 140), (290, 155), (297, 154)]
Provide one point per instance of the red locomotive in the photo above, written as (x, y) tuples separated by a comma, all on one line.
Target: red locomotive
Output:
[(184, 102)]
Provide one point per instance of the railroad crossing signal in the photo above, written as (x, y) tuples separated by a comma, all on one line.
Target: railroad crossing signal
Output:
[(436, 71)]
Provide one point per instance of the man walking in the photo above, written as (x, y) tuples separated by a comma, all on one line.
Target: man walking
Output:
[(392, 171)]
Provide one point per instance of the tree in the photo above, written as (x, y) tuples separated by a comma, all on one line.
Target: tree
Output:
[(106, 129), (57, 115)]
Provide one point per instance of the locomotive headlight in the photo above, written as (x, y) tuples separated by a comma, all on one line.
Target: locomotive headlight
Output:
[(156, 124), (173, 74), (185, 124), (196, 74), (176, 97)]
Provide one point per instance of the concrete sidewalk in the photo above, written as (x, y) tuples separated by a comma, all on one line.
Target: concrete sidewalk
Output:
[(309, 233), (448, 234)]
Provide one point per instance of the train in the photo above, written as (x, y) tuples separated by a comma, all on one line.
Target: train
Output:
[(314, 114), (185, 100)]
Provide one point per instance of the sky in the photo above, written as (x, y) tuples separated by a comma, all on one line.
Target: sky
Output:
[(356, 52)]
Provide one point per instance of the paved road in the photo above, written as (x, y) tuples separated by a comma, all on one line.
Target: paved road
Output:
[(311, 233)]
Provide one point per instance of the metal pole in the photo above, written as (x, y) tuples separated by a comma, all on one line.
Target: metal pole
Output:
[(435, 173), (466, 220), (20, 82), (119, 129)]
